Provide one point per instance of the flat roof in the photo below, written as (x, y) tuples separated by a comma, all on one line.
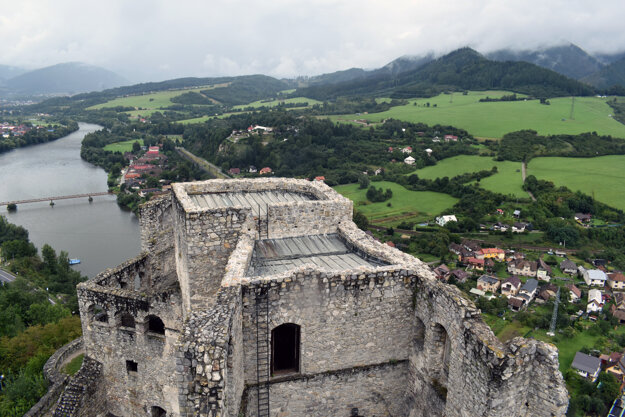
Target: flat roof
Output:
[(328, 252), (257, 200)]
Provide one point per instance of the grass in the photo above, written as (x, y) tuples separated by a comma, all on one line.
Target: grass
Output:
[(506, 181), (601, 177), (406, 205), (122, 147), (195, 120), (74, 365), (494, 119), (273, 103), (152, 101)]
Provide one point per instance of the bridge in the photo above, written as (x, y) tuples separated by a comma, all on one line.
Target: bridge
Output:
[(53, 198)]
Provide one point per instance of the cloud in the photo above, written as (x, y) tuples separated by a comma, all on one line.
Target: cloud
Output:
[(158, 39)]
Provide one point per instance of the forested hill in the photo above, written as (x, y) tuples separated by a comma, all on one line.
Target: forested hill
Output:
[(463, 69), (227, 90)]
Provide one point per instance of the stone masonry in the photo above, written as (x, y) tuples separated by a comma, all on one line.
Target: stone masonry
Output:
[(188, 328)]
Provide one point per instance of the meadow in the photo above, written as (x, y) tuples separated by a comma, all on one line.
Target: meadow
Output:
[(405, 205), (602, 177), (152, 101), (507, 180), (494, 119), (273, 103), (125, 146)]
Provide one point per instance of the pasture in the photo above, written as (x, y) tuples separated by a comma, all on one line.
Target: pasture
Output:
[(602, 177), (125, 146), (406, 205), (494, 119), (507, 180), (274, 103), (156, 100)]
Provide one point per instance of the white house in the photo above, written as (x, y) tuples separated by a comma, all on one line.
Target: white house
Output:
[(595, 301), (407, 149), (594, 277), (443, 220), (586, 365), (410, 160), (428, 151)]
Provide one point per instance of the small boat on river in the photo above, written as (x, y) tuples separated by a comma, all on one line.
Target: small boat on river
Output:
[(74, 261)]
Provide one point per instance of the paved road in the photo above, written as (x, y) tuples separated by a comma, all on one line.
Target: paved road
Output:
[(6, 277)]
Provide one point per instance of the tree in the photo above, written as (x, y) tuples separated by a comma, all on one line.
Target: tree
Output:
[(49, 257), (363, 181), (136, 147), (361, 220)]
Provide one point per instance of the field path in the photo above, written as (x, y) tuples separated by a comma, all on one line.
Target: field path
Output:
[(523, 169)]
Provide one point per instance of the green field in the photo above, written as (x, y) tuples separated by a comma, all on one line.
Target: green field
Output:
[(406, 205), (195, 120), (602, 177), (152, 101), (506, 181), (125, 146), (494, 119), (273, 103)]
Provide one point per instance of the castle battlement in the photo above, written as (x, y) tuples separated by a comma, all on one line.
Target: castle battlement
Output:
[(262, 298)]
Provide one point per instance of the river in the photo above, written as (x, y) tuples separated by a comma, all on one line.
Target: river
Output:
[(99, 233)]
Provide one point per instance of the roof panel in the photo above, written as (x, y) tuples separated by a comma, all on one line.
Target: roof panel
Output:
[(247, 199)]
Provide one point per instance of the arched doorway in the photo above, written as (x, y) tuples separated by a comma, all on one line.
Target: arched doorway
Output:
[(285, 347)]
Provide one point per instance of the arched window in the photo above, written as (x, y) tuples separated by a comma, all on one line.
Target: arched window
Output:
[(98, 313), (156, 325), (442, 347), (127, 320), (156, 411), (285, 347), (419, 336)]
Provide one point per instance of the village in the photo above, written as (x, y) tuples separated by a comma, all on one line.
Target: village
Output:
[(526, 282)]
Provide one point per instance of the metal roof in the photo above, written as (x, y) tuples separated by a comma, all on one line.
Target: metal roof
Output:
[(257, 200), (328, 252), (586, 363)]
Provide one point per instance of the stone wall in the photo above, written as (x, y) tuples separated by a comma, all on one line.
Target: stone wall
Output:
[(106, 338), (345, 320), (83, 395), (157, 234), (378, 390), (56, 378)]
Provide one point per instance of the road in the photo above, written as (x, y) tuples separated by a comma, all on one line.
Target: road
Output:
[(523, 172), (6, 277)]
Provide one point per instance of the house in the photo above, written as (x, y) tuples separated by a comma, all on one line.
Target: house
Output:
[(442, 272), (265, 170), (491, 253), (522, 267), (390, 149), (500, 211), (574, 293), (378, 171), (543, 271), (501, 227), (516, 303), (252, 169), (460, 275), (409, 160), (488, 283), (587, 366), (428, 151), (616, 280), (234, 171), (407, 149), (518, 227), (516, 213), (583, 218), (595, 277), (320, 178), (548, 291), (529, 289), (451, 138), (617, 369), (568, 267), (511, 286), (595, 301), (455, 248), (443, 220), (471, 245), (599, 262), (560, 253), (475, 264)]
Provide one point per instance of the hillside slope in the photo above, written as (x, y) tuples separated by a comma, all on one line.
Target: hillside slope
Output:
[(463, 69), (66, 78)]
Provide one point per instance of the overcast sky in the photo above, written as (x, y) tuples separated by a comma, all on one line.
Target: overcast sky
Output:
[(155, 40)]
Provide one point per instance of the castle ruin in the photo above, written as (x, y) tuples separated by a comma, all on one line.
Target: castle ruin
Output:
[(260, 297)]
